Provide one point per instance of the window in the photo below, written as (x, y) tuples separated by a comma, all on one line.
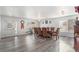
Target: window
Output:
[(46, 22)]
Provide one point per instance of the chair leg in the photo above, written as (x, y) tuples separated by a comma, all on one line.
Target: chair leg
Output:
[(56, 37), (35, 36)]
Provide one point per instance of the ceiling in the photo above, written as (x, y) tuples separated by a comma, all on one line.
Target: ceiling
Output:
[(37, 12)]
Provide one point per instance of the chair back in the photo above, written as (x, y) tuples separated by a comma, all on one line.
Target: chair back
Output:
[(52, 29), (47, 28), (57, 30), (35, 30)]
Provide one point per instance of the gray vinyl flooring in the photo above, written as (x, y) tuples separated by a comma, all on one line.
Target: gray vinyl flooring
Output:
[(30, 43)]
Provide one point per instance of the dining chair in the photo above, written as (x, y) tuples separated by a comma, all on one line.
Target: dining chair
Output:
[(46, 34), (56, 33)]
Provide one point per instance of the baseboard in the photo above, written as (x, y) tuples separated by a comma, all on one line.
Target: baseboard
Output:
[(16, 35), (66, 34)]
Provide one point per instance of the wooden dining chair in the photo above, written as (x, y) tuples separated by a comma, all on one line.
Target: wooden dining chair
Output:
[(52, 29), (35, 30), (46, 34), (47, 28), (39, 31), (56, 33)]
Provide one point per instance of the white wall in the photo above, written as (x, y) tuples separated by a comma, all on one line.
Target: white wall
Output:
[(55, 22), (16, 26)]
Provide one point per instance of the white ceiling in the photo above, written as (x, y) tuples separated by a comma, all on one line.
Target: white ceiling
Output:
[(36, 12)]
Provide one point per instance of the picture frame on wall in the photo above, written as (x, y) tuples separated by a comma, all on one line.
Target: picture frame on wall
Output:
[(9, 26)]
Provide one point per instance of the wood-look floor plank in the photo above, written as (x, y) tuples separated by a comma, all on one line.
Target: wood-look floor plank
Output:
[(29, 43)]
